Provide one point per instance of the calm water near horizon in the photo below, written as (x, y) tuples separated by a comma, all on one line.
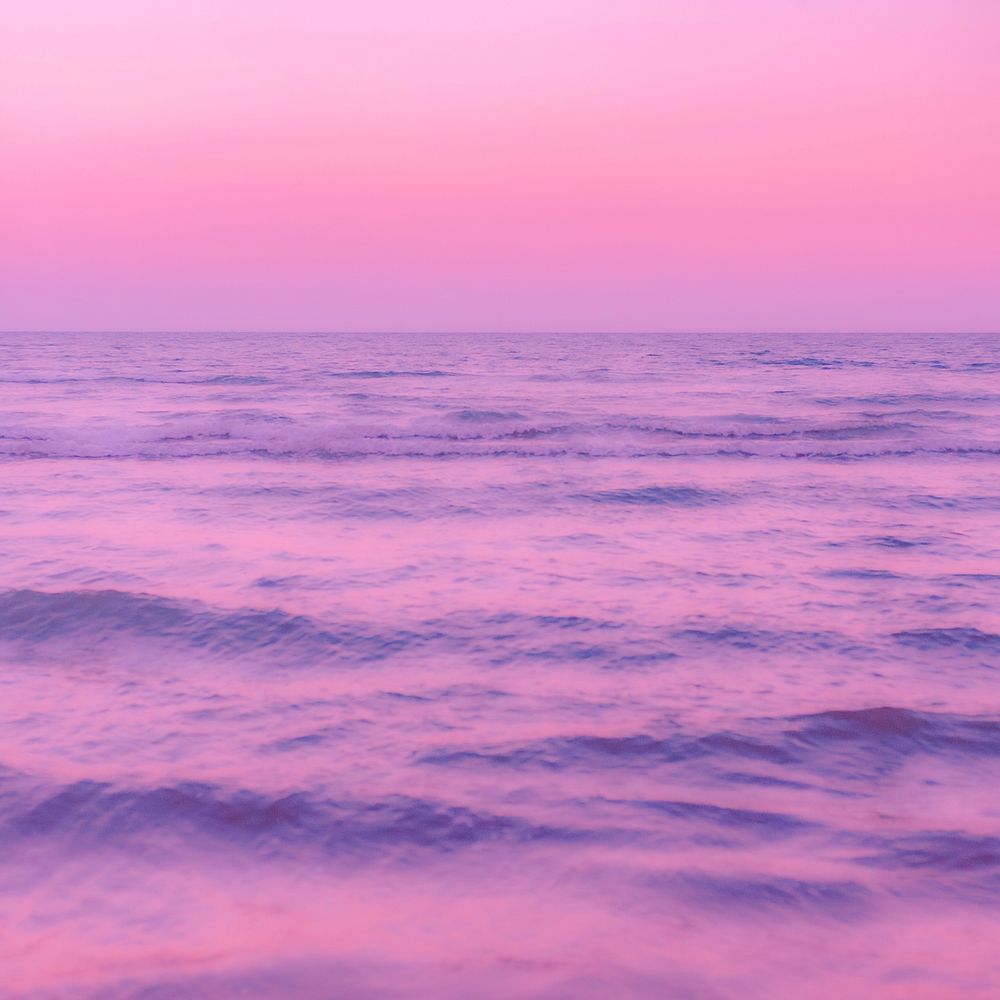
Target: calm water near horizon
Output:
[(499, 667)]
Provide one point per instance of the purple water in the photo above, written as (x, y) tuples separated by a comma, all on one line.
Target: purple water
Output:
[(499, 667)]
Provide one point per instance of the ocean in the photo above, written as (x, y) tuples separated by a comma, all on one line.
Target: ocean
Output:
[(495, 666)]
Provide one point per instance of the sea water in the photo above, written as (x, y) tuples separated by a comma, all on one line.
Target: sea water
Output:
[(499, 666)]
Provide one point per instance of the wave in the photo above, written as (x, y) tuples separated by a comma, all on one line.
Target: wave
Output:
[(900, 730), (766, 824), (222, 445), (638, 750), (474, 416), (813, 362), (909, 398), (476, 431), (850, 744), (862, 574), (387, 373), (971, 639), (657, 496), (115, 622), (765, 640), (947, 851), (140, 380), (33, 617), (892, 542), (840, 900), (96, 813)]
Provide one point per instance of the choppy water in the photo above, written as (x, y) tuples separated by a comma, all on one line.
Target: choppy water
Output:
[(548, 667)]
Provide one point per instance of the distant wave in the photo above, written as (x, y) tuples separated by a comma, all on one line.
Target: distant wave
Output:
[(139, 380), (658, 496), (246, 426)]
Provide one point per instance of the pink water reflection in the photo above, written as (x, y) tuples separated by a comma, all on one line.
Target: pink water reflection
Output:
[(499, 667)]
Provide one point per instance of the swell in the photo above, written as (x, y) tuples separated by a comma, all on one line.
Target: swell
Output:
[(189, 819), (166, 817), (853, 746), (208, 380), (31, 618), (176, 818), (34, 618), (94, 814), (111, 620), (263, 432), (27, 448), (233, 379)]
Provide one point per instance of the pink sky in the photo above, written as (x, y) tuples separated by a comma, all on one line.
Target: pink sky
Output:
[(488, 165)]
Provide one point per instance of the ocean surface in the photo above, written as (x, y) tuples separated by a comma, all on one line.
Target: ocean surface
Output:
[(499, 667)]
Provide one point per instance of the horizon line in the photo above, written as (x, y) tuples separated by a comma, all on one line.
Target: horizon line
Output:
[(501, 332)]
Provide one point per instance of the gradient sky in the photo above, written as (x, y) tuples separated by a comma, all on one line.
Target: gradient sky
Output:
[(500, 164)]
